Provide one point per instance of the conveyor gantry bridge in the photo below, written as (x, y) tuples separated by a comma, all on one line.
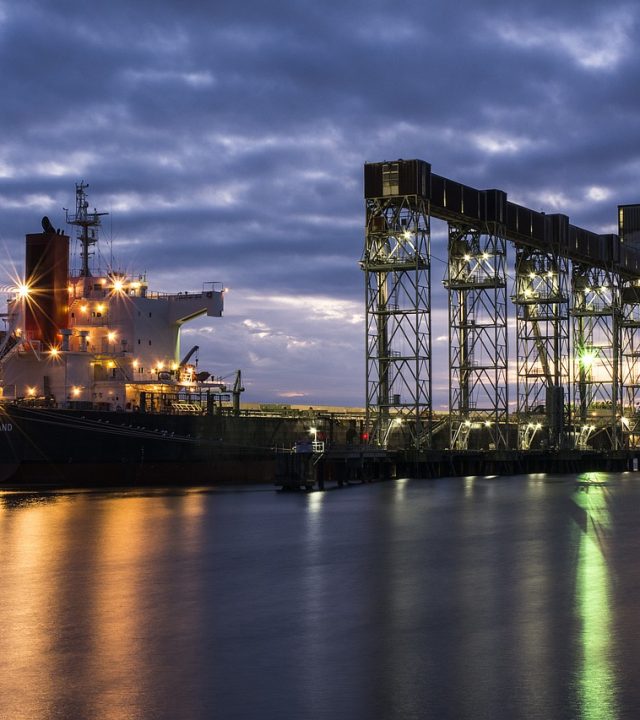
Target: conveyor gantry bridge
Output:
[(576, 295)]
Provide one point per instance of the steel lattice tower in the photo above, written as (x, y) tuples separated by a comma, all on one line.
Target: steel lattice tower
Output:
[(476, 281), (542, 340), (630, 360), (396, 262), (596, 374), (629, 236), (577, 303)]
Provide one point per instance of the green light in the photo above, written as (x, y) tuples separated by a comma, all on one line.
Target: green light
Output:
[(586, 357)]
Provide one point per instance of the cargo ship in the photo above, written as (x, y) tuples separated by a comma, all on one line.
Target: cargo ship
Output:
[(95, 389)]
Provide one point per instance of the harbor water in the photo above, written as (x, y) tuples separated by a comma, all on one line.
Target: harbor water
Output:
[(478, 597)]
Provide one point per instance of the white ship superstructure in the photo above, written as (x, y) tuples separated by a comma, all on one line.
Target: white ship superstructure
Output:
[(104, 341)]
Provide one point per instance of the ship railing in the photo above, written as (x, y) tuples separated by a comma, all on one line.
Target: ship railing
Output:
[(185, 295), (92, 321), (315, 447), (185, 408)]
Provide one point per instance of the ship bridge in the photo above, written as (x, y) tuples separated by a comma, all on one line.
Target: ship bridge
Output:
[(185, 306)]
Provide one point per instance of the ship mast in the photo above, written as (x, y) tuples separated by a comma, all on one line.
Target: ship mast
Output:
[(88, 222)]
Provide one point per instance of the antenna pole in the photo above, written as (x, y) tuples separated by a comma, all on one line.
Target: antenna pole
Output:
[(88, 222)]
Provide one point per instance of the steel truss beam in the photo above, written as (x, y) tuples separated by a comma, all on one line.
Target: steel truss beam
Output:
[(397, 267), (476, 284), (596, 316), (542, 342)]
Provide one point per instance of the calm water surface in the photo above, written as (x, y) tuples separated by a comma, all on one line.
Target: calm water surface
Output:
[(495, 598)]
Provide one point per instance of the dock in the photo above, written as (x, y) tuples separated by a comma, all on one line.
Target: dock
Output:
[(317, 467)]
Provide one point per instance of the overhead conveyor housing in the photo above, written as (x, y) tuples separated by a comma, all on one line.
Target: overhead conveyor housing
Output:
[(455, 202), (577, 300)]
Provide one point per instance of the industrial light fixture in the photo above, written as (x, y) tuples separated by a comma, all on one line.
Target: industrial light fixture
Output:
[(23, 290)]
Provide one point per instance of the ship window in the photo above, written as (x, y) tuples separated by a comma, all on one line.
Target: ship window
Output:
[(138, 341), (149, 342), (149, 314), (141, 370)]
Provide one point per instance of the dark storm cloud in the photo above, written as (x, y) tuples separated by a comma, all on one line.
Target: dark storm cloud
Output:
[(227, 140)]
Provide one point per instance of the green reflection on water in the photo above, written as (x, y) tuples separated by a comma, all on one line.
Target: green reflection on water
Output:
[(596, 680)]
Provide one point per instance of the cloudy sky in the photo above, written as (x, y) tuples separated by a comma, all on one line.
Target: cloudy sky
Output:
[(227, 139)]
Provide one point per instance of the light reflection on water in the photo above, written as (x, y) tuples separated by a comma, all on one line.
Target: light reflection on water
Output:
[(597, 680), (468, 598)]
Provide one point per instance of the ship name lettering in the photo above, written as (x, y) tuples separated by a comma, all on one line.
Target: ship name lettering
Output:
[(6, 427)]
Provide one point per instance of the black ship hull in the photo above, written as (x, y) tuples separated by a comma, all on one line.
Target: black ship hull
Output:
[(56, 447)]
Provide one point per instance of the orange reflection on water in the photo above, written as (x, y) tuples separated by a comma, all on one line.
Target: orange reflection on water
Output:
[(32, 566), (143, 630), (85, 593)]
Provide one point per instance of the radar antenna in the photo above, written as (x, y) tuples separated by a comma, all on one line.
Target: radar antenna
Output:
[(88, 222)]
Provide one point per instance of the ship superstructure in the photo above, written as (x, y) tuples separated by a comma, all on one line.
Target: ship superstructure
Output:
[(103, 341)]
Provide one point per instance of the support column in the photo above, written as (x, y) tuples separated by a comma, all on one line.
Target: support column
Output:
[(478, 391), (596, 360), (542, 340), (396, 263), (629, 243), (630, 363)]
